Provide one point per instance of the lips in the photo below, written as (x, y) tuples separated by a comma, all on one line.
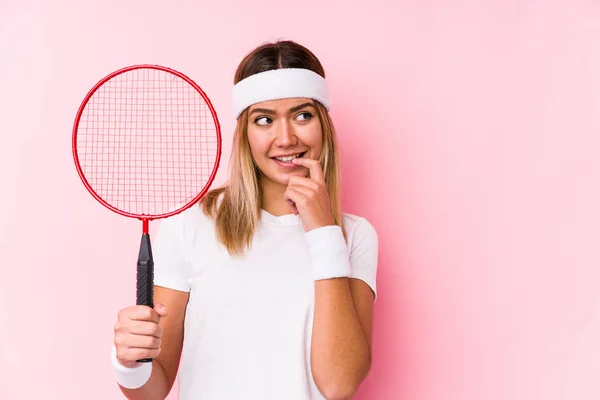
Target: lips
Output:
[(287, 164), (288, 157)]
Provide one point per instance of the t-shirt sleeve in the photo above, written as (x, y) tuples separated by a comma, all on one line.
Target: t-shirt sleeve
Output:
[(364, 254), (171, 267)]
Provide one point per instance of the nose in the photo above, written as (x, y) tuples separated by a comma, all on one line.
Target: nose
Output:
[(285, 134)]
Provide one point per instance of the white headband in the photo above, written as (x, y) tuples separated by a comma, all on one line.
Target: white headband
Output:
[(276, 84)]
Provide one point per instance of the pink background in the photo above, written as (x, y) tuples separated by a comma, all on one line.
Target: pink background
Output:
[(469, 133)]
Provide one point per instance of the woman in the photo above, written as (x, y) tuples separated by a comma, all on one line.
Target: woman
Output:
[(265, 289)]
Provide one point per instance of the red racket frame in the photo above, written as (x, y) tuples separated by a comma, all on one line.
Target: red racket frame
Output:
[(146, 219)]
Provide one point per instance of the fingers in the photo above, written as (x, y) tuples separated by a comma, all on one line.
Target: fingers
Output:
[(144, 313), (293, 206), (310, 197), (302, 194), (303, 191), (128, 356), (132, 340), (292, 197), (314, 167), (302, 181), (295, 194), (138, 333), (145, 329), (161, 310)]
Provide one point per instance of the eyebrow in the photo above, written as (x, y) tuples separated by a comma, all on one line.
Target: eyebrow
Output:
[(291, 110)]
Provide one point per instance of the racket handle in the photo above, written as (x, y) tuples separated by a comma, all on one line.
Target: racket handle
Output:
[(145, 277)]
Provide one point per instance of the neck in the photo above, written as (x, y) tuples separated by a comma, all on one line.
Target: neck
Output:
[(272, 197)]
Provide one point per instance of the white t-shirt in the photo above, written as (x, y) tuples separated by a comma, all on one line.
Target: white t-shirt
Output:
[(248, 323)]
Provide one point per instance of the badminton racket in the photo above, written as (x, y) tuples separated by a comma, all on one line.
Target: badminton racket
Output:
[(146, 145)]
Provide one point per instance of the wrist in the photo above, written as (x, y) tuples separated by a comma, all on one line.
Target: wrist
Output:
[(329, 252), (130, 377)]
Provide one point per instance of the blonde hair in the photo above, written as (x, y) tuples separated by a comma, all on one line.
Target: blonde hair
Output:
[(235, 207)]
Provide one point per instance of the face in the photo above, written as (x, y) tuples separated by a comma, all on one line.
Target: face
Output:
[(279, 130)]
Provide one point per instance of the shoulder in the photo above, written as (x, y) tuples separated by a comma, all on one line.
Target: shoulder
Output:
[(363, 246), (359, 230), (189, 223)]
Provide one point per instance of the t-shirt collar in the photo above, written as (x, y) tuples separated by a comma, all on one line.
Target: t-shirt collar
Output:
[(286, 219)]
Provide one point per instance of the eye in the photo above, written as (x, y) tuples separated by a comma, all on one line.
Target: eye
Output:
[(263, 121), (304, 116)]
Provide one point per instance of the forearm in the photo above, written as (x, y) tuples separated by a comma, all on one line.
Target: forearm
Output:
[(340, 355), (157, 387)]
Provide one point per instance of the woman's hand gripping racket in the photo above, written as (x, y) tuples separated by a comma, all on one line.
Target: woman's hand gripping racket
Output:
[(147, 145)]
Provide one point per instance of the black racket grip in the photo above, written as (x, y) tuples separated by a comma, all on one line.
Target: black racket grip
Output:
[(145, 277)]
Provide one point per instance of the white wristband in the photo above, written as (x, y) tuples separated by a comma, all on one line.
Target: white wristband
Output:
[(130, 378), (329, 253)]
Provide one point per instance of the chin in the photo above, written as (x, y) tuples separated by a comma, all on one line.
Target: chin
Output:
[(284, 178)]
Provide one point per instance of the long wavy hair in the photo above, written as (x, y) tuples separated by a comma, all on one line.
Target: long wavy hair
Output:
[(235, 207)]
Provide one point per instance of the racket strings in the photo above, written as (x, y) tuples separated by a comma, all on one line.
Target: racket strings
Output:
[(147, 142)]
